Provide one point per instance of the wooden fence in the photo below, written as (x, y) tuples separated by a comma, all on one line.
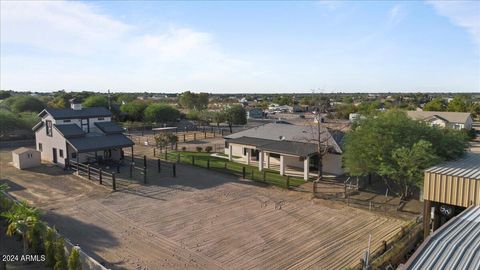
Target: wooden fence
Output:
[(92, 173)]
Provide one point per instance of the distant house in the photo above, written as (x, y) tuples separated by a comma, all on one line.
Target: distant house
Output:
[(80, 134), (453, 120), (286, 146), (255, 113)]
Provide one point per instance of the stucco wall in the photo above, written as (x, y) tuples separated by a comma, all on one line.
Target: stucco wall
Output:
[(48, 143)]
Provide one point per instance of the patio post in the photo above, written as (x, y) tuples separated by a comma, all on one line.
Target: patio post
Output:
[(100, 176), (260, 161), (282, 165), (248, 156), (132, 154), (230, 152), (306, 168), (268, 160)]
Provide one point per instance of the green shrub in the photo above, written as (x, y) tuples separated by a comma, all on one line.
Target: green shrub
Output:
[(50, 247), (199, 149), (60, 260), (74, 260), (208, 149)]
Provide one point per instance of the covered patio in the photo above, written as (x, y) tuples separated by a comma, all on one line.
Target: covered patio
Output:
[(288, 157)]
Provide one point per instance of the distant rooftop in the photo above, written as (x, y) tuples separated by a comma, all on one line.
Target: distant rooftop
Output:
[(453, 117)]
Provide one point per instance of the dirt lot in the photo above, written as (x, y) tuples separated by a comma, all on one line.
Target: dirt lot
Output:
[(199, 220)]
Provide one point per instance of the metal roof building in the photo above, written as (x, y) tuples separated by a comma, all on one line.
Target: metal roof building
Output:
[(456, 245), (455, 183)]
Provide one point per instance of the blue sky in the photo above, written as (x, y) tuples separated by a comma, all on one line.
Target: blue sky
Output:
[(241, 46)]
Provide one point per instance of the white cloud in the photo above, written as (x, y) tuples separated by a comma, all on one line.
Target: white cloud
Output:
[(396, 14), (80, 46), (464, 14)]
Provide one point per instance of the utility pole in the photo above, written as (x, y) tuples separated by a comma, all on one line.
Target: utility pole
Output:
[(109, 103)]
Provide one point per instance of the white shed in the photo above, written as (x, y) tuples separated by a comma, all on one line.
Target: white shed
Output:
[(23, 158)]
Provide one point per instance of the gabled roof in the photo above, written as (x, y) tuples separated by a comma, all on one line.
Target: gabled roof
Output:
[(69, 130), (293, 133), (454, 117), (100, 142), (71, 113), (37, 126), (22, 150), (109, 127), (454, 246)]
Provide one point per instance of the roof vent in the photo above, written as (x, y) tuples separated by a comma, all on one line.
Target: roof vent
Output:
[(75, 104)]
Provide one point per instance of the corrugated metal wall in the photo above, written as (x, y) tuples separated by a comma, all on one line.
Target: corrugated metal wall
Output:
[(448, 189)]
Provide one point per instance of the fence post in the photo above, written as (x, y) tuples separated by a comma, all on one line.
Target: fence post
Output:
[(166, 156), (176, 146), (184, 137), (208, 163), (243, 172), (114, 183), (118, 168), (174, 170), (153, 151), (131, 170), (78, 168), (145, 175), (100, 175), (204, 134), (144, 161), (287, 183), (222, 132), (194, 136), (193, 160), (88, 171), (214, 134), (158, 165)]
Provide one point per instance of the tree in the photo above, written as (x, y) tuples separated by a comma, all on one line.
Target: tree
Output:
[(135, 110), (372, 146), (193, 101), (23, 103), (218, 117), (5, 94), (24, 220), (60, 260), (161, 113), (50, 240), (458, 104), (408, 165), (74, 260), (436, 104), (96, 101), (235, 115), (165, 138)]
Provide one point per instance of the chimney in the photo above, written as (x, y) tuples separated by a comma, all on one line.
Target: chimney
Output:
[(76, 104)]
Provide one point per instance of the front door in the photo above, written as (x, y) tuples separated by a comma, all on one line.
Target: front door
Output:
[(54, 155)]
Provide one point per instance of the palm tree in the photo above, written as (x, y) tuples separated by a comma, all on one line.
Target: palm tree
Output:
[(24, 220)]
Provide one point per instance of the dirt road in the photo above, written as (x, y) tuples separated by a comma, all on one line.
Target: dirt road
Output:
[(199, 220)]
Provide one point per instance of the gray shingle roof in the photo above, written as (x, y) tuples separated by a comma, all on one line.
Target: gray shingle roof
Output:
[(454, 117), (454, 246), (70, 130), (294, 133), (100, 142), (300, 149), (109, 127), (83, 113)]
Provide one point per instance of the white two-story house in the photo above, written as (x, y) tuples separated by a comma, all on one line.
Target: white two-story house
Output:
[(80, 134)]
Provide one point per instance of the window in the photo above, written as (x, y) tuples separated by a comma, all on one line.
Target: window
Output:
[(60, 152), (29, 155), (100, 118), (67, 121), (244, 151), (74, 155), (49, 128), (40, 147)]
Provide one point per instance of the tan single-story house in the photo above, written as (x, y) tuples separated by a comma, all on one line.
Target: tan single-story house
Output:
[(287, 146), (23, 158), (453, 120)]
